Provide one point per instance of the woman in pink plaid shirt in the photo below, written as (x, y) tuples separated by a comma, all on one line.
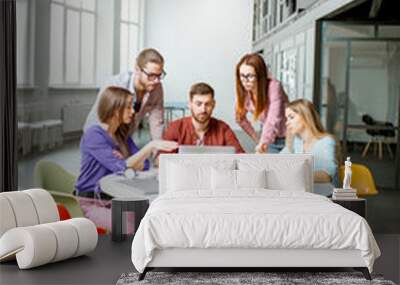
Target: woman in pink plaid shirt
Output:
[(265, 99)]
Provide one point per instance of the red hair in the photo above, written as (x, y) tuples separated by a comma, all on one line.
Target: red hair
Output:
[(257, 62)]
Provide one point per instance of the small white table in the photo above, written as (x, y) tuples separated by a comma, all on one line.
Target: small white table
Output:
[(145, 185)]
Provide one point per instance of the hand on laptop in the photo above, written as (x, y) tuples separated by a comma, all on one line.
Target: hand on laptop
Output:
[(261, 148), (164, 145)]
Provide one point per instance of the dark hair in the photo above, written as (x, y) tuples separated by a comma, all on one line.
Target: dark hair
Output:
[(201, 89), (149, 55), (257, 62), (112, 99)]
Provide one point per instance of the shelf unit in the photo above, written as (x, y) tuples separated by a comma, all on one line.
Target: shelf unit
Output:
[(271, 14)]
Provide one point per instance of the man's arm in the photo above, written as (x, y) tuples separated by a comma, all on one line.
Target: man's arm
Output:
[(156, 117)]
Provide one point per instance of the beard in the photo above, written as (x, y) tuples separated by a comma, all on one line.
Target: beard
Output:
[(201, 118), (150, 87), (147, 85)]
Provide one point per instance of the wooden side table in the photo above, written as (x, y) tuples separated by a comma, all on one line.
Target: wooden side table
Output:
[(358, 206), (120, 205)]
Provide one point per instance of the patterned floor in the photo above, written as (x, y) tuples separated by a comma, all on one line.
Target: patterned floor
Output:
[(243, 278)]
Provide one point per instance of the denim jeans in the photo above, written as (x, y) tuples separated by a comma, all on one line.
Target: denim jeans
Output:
[(276, 146)]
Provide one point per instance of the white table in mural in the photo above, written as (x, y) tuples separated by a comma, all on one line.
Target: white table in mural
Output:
[(143, 184)]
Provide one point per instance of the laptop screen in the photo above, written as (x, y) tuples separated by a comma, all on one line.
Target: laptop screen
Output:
[(206, 149)]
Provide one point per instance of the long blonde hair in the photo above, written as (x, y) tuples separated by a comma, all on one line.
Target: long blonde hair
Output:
[(306, 110), (114, 99)]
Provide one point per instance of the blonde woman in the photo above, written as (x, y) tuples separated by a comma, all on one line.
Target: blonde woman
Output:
[(106, 147), (305, 134)]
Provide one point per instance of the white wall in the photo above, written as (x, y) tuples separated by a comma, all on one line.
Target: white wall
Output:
[(200, 41), (105, 41), (39, 102)]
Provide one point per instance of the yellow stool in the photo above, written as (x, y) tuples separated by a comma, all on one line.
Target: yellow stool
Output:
[(361, 180)]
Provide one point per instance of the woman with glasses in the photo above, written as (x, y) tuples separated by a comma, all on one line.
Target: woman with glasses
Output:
[(106, 147), (265, 99)]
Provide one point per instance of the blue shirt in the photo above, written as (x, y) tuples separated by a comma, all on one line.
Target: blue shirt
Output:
[(97, 159), (323, 150)]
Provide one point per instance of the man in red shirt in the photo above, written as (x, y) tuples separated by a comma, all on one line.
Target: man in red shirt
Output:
[(201, 128)]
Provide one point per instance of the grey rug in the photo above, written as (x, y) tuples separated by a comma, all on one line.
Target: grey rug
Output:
[(228, 278)]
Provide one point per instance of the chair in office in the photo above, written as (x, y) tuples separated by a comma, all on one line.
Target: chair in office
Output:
[(361, 180), (60, 183), (378, 136), (170, 108)]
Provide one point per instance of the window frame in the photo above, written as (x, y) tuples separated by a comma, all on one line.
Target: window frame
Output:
[(78, 84), (140, 37), (28, 78)]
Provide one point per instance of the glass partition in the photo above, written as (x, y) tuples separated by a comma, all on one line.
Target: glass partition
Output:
[(360, 91)]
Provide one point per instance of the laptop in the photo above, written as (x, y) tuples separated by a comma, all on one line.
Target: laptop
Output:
[(205, 149)]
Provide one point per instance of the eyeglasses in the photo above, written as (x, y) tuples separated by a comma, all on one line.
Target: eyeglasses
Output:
[(248, 77), (154, 76)]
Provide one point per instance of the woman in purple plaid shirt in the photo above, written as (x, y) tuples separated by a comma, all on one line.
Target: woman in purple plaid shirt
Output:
[(107, 148)]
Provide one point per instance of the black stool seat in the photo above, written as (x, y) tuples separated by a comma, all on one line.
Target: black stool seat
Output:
[(138, 205)]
